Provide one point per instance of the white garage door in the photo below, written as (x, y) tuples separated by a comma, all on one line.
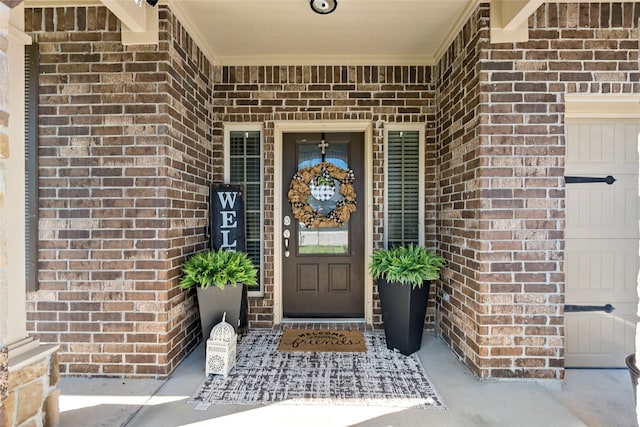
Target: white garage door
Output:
[(601, 252)]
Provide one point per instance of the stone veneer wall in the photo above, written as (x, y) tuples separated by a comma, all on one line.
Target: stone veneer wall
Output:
[(4, 383), (264, 94), (502, 200), (33, 395), (125, 164)]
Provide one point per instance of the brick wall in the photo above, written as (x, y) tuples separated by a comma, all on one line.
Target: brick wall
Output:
[(372, 93), (502, 200), (130, 138), (459, 171), (125, 163), (190, 167)]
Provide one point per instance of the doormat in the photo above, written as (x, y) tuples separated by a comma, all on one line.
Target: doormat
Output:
[(322, 340), (263, 375)]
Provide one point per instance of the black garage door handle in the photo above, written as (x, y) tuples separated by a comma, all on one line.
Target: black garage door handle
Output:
[(569, 308), (588, 180)]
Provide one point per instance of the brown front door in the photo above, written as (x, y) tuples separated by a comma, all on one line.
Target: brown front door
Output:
[(323, 267)]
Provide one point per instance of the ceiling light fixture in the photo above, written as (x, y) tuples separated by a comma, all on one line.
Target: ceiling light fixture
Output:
[(149, 2), (323, 7)]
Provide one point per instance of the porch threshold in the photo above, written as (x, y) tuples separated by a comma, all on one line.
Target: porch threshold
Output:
[(324, 323)]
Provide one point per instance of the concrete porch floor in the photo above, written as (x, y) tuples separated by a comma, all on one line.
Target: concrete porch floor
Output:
[(585, 398)]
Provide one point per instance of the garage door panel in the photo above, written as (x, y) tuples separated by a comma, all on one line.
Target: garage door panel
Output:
[(603, 211), (594, 148), (599, 339), (601, 267), (601, 246)]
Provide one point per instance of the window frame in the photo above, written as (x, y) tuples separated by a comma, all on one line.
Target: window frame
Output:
[(248, 127), (406, 127)]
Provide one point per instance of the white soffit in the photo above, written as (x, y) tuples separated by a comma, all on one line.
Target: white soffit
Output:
[(287, 32), (359, 32)]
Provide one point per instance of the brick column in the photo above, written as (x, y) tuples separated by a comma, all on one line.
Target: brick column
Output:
[(501, 134), (125, 160)]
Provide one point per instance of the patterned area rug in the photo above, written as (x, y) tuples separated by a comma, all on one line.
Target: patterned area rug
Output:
[(263, 375)]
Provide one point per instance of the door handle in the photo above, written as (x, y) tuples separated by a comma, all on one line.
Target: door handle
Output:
[(588, 180), (570, 308), (286, 234)]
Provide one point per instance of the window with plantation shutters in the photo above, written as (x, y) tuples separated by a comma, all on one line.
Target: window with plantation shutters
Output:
[(244, 167), (404, 195), (31, 165)]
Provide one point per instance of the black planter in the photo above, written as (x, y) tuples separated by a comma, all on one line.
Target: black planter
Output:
[(403, 311), (213, 302)]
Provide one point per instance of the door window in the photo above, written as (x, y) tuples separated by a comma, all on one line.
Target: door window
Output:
[(326, 240)]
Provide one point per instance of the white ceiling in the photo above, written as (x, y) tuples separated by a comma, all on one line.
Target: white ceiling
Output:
[(288, 32), (357, 32)]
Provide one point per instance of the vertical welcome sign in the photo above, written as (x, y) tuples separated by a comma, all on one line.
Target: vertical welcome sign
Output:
[(227, 217)]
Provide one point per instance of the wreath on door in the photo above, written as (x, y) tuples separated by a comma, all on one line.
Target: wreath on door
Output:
[(319, 182)]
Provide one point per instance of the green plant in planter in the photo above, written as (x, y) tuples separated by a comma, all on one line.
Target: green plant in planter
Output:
[(218, 268), (406, 264), (404, 307)]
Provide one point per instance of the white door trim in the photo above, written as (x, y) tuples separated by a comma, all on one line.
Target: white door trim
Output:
[(281, 127), (586, 107)]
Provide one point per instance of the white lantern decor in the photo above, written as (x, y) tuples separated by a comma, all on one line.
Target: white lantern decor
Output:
[(221, 349)]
